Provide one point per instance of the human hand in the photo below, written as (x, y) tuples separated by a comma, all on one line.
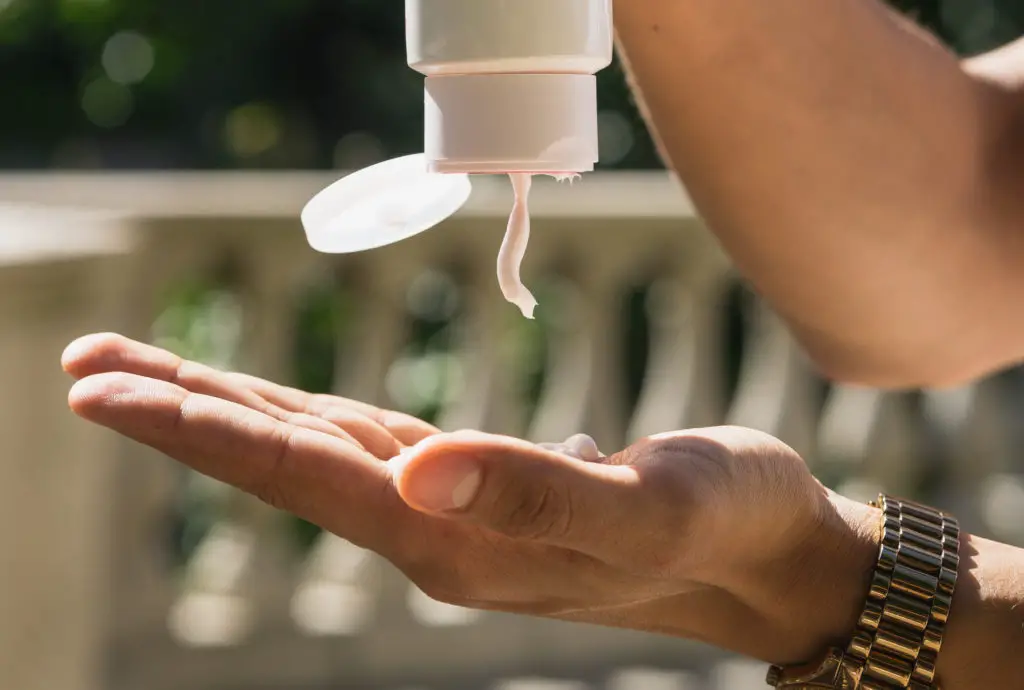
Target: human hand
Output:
[(720, 535)]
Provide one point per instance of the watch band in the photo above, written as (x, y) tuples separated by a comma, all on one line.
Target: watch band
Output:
[(899, 633)]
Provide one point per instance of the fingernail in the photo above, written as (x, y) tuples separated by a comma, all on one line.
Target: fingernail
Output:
[(444, 485)]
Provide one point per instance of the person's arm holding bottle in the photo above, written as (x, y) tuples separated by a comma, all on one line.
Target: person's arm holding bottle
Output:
[(865, 181)]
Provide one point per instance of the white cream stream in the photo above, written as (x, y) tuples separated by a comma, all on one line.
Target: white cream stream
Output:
[(513, 248)]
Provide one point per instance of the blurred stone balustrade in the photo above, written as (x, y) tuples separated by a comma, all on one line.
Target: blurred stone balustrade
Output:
[(95, 593)]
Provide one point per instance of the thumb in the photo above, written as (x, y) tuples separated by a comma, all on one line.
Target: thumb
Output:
[(528, 492)]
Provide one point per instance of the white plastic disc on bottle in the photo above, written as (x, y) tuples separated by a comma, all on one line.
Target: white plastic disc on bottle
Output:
[(381, 205)]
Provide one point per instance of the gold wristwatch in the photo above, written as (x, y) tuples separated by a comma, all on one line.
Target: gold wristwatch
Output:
[(899, 634)]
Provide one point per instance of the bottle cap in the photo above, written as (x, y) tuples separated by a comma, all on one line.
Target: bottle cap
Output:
[(504, 123), (381, 205)]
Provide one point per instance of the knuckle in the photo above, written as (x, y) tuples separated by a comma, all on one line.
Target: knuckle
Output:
[(269, 485), (690, 446), (681, 482), (688, 466), (705, 479), (523, 512)]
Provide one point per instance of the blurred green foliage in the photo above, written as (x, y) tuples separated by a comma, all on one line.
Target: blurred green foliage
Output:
[(270, 83)]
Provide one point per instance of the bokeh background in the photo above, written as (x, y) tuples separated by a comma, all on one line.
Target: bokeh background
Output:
[(300, 84), (156, 155)]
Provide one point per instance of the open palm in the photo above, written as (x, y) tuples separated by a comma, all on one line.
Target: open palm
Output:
[(652, 538)]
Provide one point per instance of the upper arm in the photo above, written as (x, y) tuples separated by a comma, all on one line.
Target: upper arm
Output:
[(968, 339), (993, 337)]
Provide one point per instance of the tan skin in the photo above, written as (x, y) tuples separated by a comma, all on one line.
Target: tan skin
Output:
[(861, 178)]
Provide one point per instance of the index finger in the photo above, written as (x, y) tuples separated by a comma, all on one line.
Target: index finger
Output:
[(407, 429), (319, 477), (107, 352)]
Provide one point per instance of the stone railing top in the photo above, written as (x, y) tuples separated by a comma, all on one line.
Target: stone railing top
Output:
[(640, 194), (33, 233)]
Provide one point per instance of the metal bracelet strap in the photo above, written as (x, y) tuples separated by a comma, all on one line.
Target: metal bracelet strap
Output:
[(900, 632)]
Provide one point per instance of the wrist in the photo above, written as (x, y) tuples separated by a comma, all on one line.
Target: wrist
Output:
[(810, 599), (813, 595)]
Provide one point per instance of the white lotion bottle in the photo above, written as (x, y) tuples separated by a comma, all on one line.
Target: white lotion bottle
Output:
[(510, 88), (510, 84)]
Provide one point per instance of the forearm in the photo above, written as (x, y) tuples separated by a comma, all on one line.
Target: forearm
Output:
[(986, 625), (844, 159)]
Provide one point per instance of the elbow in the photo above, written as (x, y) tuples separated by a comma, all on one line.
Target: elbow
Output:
[(895, 371), (872, 376), (889, 379), (943, 355)]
